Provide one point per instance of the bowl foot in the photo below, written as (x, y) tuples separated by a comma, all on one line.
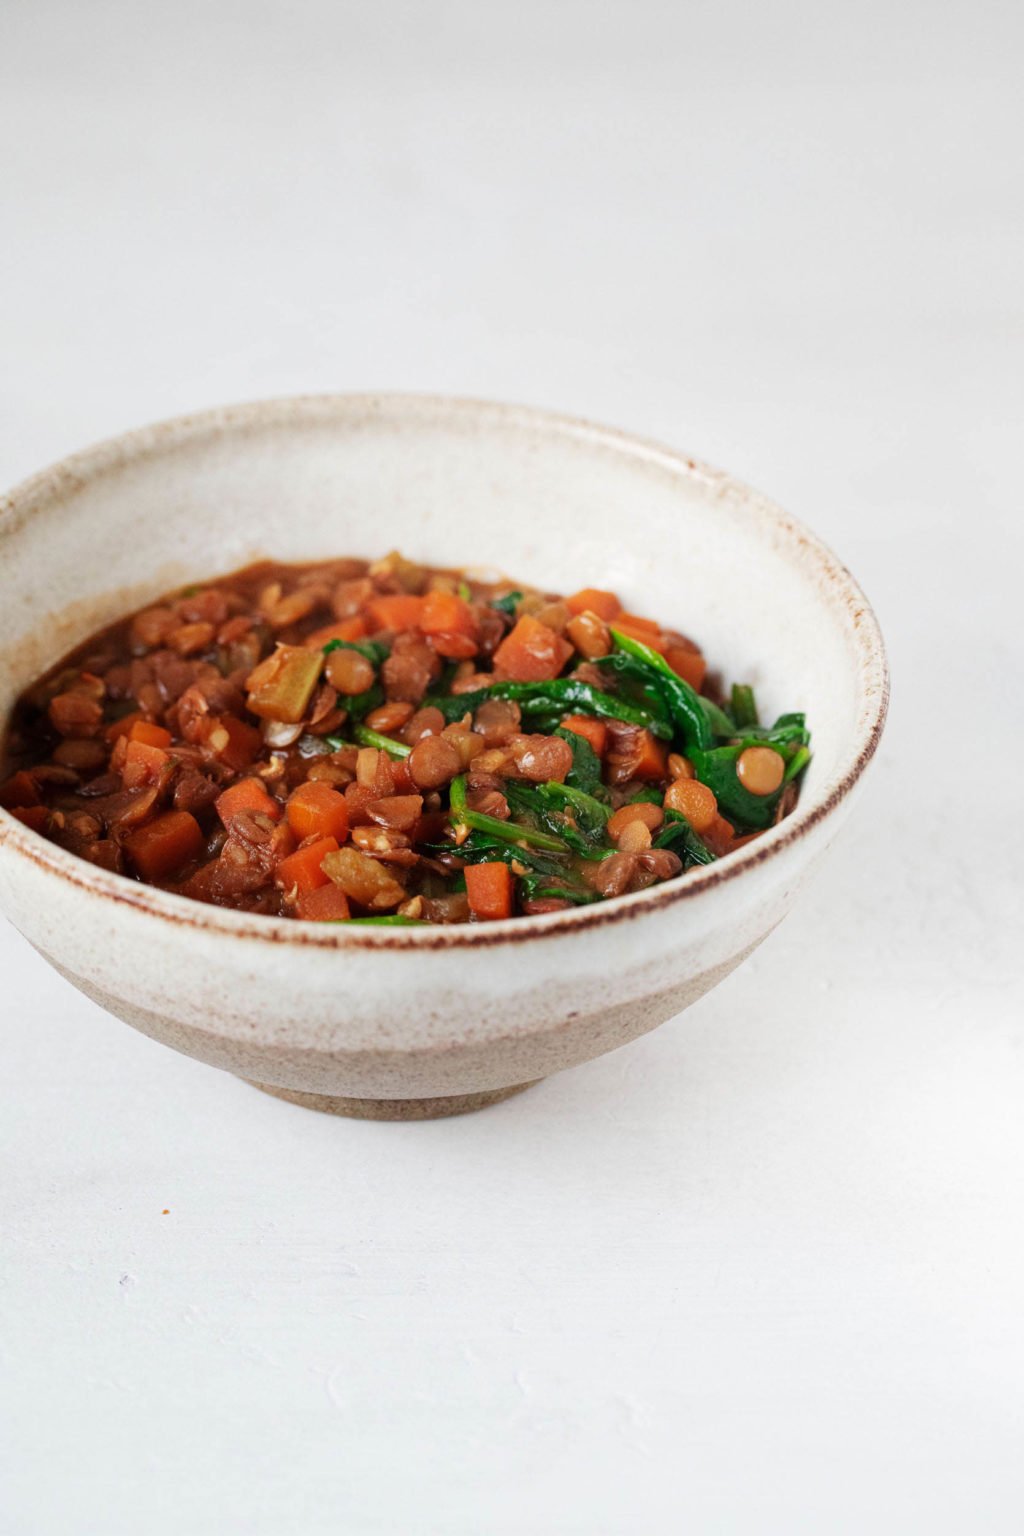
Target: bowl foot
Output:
[(393, 1109)]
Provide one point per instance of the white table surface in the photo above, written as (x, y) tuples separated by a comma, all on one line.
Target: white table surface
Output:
[(762, 1271)]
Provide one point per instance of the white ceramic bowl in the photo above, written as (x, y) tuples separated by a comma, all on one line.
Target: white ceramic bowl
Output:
[(398, 1023)]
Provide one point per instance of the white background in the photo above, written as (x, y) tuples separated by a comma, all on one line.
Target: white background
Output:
[(763, 1270)]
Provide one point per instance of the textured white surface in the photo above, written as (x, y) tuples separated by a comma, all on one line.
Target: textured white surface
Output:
[(763, 1269)]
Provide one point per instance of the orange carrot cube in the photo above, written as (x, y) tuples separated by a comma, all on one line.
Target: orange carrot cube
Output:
[(594, 731), (301, 870), (327, 904), (143, 764), (246, 795), (396, 610), (317, 810), (164, 845), (148, 733), (445, 613), (531, 653), (689, 665), (489, 888), (605, 604)]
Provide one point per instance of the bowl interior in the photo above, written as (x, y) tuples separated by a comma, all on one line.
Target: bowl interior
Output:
[(556, 502)]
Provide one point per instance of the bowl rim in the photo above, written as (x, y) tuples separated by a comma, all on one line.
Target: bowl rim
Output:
[(837, 583)]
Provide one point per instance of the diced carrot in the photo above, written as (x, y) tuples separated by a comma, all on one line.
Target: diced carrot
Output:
[(741, 842), (653, 761), (396, 610), (20, 790), (489, 888), (594, 731), (605, 604), (454, 646), (637, 621), (689, 665), (246, 795), (446, 613), (531, 653), (165, 844), (149, 734), (719, 836), (648, 634), (327, 904), (123, 727), (143, 764), (232, 741), (33, 816), (301, 871), (344, 629), (317, 810)]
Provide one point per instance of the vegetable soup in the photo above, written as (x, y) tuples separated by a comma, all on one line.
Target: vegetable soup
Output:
[(388, 743)]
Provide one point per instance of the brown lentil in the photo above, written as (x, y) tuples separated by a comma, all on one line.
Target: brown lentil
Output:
[(590, 635), (350, 671), (434, 761)]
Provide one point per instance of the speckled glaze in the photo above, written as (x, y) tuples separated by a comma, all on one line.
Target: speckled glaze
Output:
[(405, 1023)]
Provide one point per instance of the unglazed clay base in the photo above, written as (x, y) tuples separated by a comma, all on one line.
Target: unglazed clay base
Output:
[(395, 1109)]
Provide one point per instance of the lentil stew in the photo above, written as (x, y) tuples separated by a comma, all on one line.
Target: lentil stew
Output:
[(389, 743)]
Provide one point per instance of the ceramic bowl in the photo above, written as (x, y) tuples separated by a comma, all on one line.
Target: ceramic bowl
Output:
[(404, 1023)]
